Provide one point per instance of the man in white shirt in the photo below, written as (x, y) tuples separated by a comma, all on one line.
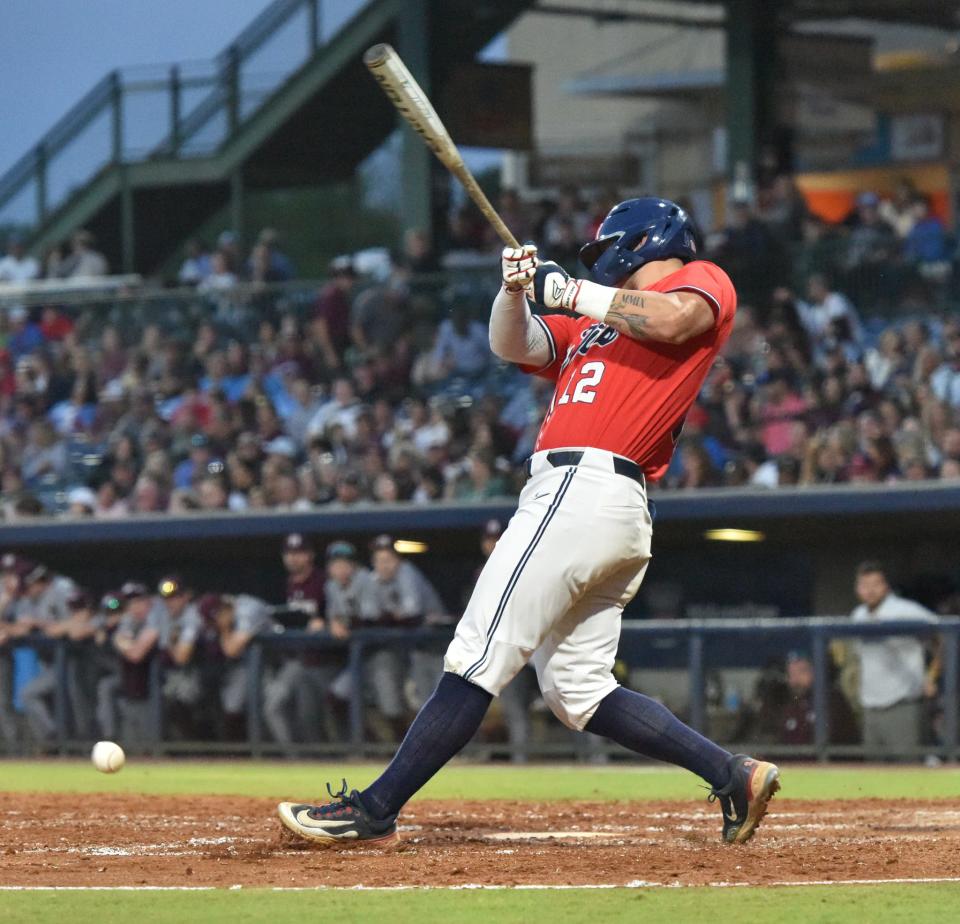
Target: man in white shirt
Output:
[(825, 307), (894, 678), (18, 266)]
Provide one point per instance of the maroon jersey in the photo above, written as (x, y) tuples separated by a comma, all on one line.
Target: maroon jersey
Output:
[(306, 596)]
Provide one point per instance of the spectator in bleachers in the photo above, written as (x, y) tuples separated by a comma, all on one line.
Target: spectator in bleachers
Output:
[(825, 307), (514, 213), (331, 324), (379, 315), (196, 265), (783, 209), (24, 340), (926, 242), (268, 263), (871, 241), (418, 252), (17, 266), (894, 676), (902, 210), (568, 213), (44, 456), (461, 348), (221, 275), (84, 262)]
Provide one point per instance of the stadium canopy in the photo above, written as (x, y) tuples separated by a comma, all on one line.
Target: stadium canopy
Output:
[(149, 154), (747, 85)]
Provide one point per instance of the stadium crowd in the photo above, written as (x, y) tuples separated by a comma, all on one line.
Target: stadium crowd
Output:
[(381, 387)]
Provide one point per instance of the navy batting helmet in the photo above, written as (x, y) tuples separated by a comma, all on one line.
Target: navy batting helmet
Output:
[(637, 232)]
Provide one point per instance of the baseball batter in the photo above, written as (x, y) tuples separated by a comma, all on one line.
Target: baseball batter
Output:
[(628, 359)]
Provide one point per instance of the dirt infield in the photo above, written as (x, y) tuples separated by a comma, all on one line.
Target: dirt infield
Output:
[(218, 841)]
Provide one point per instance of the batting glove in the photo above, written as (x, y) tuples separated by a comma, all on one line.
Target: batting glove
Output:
[(553, 287), (518, 266)]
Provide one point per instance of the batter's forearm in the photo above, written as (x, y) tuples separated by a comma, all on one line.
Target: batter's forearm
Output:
[(667, 317), (514, 335), (645, 315)]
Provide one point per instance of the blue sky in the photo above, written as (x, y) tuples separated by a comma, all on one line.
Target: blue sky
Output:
[(53, 51)]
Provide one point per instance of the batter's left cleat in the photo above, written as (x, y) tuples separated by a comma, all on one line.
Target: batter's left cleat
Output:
[(745, 798), (344, 822)]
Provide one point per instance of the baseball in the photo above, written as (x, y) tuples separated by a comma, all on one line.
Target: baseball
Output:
[(108, 756)]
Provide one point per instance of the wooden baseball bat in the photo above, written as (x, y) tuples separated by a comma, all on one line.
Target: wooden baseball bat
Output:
[(412, 103)]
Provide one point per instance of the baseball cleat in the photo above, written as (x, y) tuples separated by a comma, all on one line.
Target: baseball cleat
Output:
[(344, 821), (745, 798)]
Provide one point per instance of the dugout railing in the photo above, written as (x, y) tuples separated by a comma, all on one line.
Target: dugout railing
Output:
[(702, 646)]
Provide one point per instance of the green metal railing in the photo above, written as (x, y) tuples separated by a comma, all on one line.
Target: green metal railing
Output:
[(178, 111)]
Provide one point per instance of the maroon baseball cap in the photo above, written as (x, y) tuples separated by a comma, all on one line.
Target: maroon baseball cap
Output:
[(209, 605)]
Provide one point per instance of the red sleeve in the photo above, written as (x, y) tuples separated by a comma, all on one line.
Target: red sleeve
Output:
[(561, 331), (710, 282)]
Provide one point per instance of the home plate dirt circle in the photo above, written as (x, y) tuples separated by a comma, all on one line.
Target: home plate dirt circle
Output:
[(152, 841)]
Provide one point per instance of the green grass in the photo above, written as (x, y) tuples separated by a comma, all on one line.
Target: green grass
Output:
[(914, 903), (810, 905), (463, 781)]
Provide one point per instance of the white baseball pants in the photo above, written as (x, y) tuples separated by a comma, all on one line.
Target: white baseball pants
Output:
[(554, 588)]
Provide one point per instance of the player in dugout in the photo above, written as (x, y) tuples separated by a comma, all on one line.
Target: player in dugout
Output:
[(628, 353)]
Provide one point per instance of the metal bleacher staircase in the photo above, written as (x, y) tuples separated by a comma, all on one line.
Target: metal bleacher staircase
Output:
[(150, 152)]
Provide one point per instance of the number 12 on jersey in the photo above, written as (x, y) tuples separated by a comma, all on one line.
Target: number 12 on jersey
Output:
[(587, 381)]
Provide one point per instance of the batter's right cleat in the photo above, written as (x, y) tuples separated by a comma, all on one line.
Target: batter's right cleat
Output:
[(344, 822), (745, 798)]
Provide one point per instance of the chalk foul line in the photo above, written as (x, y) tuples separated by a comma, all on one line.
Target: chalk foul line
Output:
[(485, 887)]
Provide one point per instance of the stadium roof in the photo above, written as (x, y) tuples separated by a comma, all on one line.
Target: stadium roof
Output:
[(937, 13), (941, 14)]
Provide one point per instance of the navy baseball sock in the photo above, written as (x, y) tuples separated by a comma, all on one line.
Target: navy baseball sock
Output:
[(649, 728), (447, 721)]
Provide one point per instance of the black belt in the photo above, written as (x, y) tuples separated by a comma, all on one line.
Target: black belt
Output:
[(560, 457)]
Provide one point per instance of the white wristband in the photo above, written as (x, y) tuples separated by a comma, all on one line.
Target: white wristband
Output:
[(592, 300)]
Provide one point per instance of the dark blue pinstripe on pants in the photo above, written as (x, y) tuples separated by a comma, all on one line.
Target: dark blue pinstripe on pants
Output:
[(518, 570)]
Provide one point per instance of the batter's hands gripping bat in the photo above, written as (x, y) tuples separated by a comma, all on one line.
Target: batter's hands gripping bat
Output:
[(412, 103)]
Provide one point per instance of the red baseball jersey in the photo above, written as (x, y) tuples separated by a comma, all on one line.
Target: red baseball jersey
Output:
[(631, 396)]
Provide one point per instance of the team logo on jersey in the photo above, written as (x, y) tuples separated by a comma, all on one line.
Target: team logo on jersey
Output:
[(598, 335)]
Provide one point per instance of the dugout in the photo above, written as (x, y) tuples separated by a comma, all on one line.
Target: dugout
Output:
[(723, 553)]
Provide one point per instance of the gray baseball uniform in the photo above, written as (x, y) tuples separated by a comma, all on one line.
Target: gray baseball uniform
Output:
[(251, 616), (50, 606), (181, 684)]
